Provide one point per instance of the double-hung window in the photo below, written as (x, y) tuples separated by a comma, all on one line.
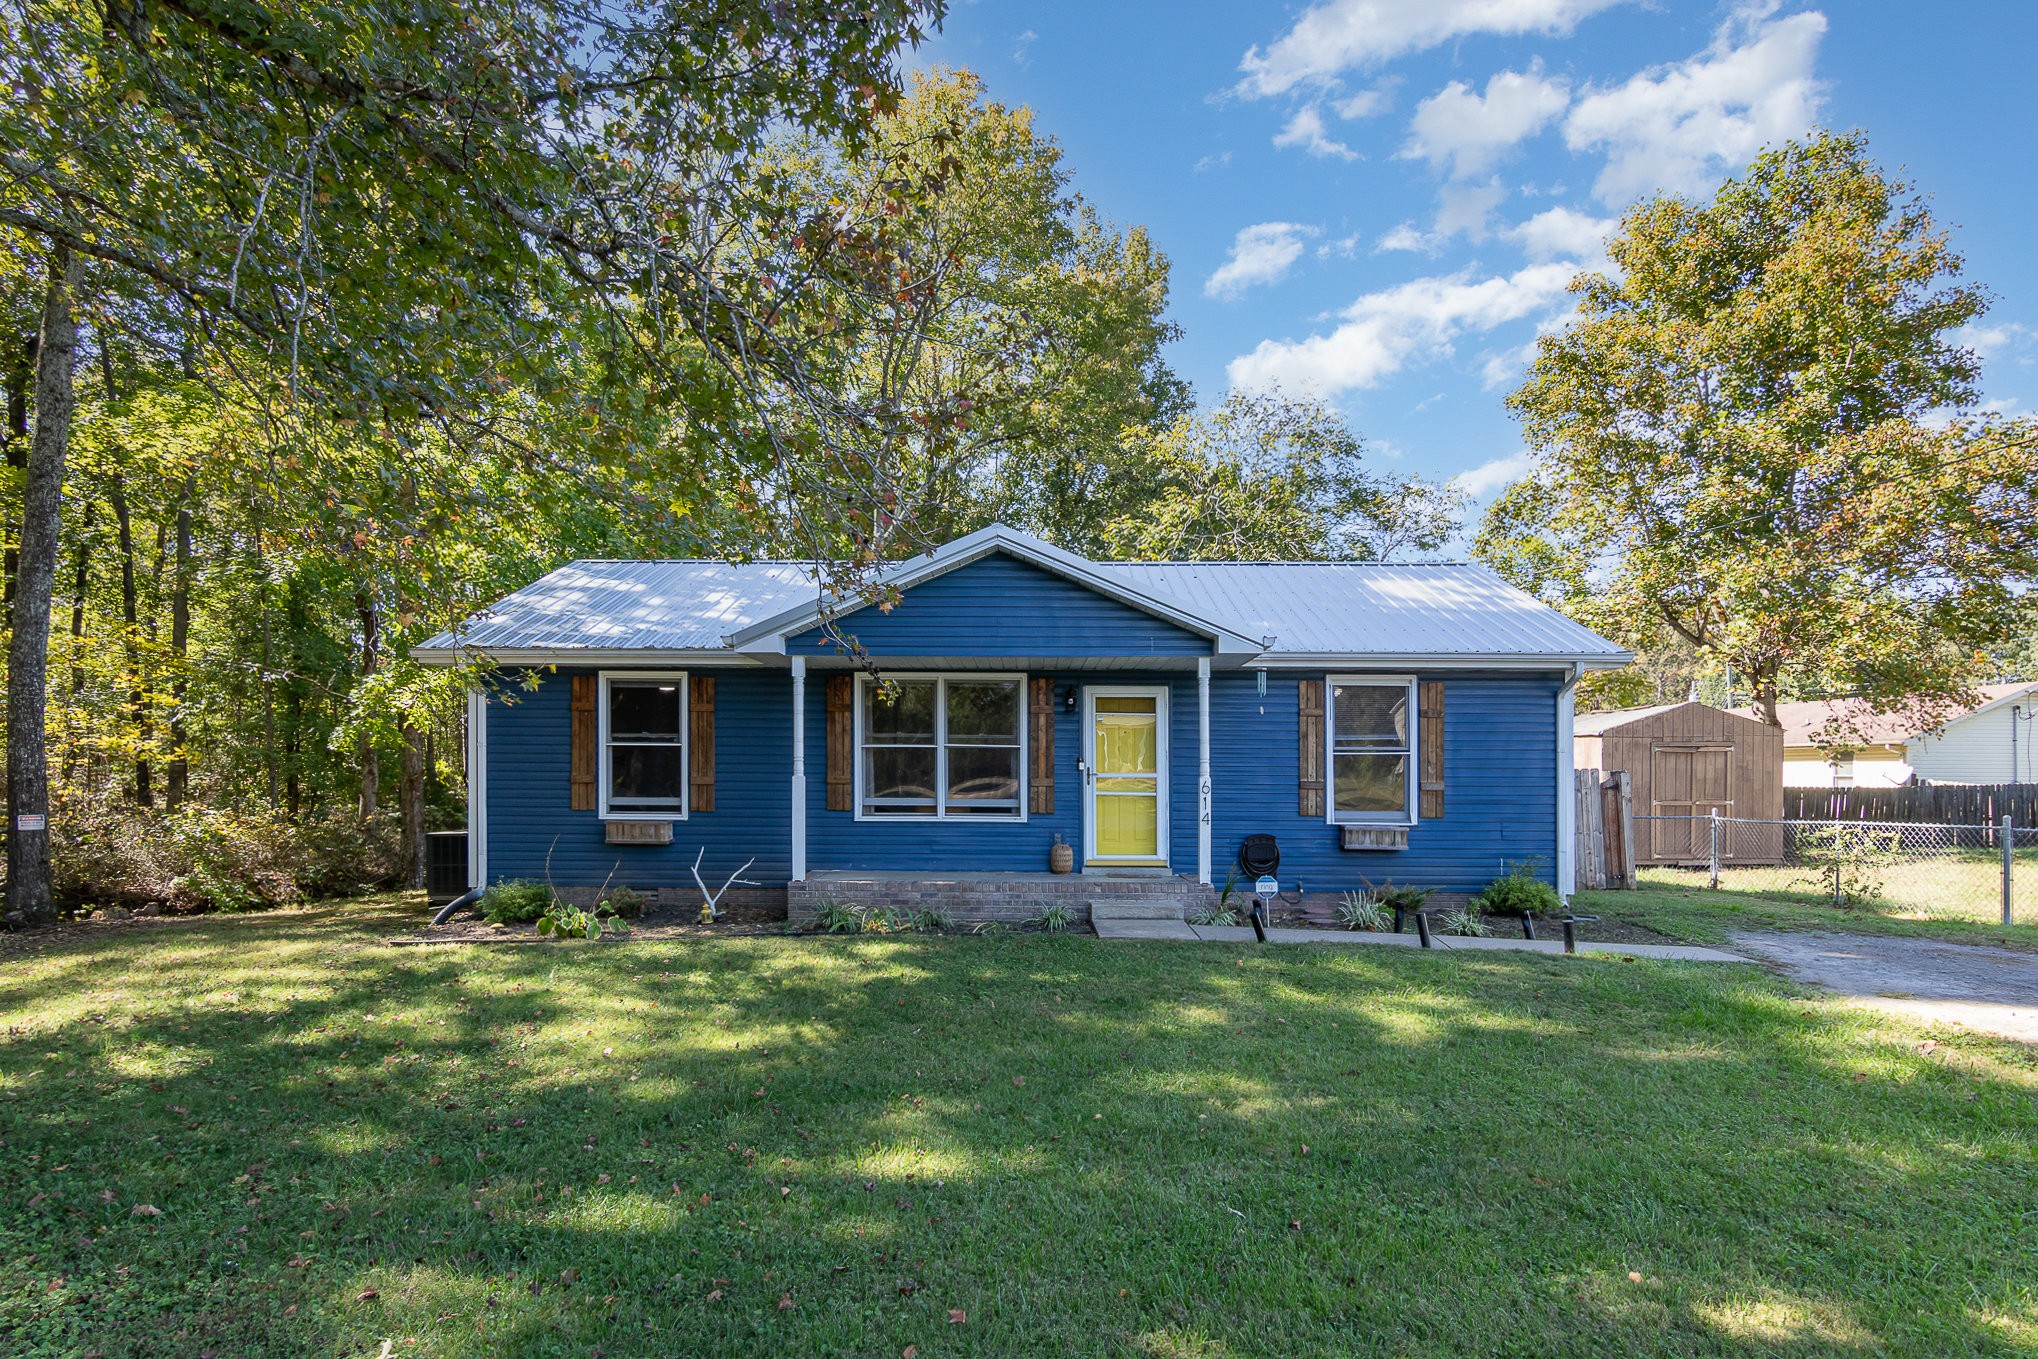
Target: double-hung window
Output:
[(1372, 749), (643, 746), (941, 746)]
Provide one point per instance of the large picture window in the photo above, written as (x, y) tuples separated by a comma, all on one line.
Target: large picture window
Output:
[(941, 746), (643, 746), (1372, 750)]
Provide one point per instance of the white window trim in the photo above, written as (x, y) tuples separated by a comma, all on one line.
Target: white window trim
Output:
[(1414, 775), (601, 773), (1163, 695), (942, 678)]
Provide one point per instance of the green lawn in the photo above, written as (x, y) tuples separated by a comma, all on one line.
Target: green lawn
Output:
[(278, 1136), (1955, 886), (1677, 902)]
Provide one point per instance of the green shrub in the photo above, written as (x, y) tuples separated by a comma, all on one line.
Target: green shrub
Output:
[(1850, 862), (1054, 918), (932, 920), (1363, 911), (515, 901), (1214, 915), (1462, 920), (566, 921), (1519, 890), (1402, 898), (883, 920), (627, 902), (832, 917)]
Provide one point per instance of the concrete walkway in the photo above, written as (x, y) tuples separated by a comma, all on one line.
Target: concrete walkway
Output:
[(1242, 934), (1994, 990)]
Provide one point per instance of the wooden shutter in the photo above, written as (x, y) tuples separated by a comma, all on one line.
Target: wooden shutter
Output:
[(700, 744), (585, 738), (1309, 746), (1430, 746), (1041, 739), (841, 743)]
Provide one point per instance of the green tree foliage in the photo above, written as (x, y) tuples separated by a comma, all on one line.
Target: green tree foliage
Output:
[(1040, 326), (432, 271), (1758, 439), (1262, 478)]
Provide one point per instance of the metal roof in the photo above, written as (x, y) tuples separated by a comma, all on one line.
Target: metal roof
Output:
[(1362, 610), (634, 605), (1370, 608)]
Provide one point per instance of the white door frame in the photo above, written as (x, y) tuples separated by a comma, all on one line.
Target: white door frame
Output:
[(1160, 694)]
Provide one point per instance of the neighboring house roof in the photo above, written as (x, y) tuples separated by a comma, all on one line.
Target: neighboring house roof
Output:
[(1803, 722), (1376, 610)]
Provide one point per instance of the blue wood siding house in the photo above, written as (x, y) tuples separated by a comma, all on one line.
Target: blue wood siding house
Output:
[(1384, 722)]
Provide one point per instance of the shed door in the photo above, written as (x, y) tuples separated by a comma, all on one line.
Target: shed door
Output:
[(1693, 782)]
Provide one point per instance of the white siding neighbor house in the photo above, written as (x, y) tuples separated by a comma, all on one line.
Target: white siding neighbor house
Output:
[(1992, 743)]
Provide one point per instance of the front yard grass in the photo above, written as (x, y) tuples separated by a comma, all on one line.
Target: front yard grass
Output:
[(279, 1136), (1678, 903)]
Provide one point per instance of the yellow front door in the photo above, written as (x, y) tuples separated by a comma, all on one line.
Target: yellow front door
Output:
[(1125, 776)]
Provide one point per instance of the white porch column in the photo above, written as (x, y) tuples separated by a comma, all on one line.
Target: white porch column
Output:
[(1203, 770), (1567, 789), (477, 787), (799, 769)]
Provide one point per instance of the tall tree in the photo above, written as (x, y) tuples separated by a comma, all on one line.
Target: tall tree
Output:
[(1759, 439), (1263, 477), (387, 224)]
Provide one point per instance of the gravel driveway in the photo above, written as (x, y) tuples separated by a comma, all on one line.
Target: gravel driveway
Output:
[(1991, 989)]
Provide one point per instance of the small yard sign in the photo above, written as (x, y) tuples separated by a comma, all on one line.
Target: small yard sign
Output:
[(30, 821), (1267, 887)]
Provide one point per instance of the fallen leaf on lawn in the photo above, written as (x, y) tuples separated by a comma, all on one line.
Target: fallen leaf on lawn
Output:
[(145, 1210), (956, 1316), (296, 1262), (1861, 1075), (715, 1296), (367, 1295), (569, 1276), (784, 1190), (603, 1178), (1294, 1224), (107, 1196), (785, 1302), (1634, 1276), (1018, 1080), (1928, 1045), (291, 1310), (910, 1352)]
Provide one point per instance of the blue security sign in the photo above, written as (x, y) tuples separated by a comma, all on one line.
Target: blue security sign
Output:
[(1267, 887)]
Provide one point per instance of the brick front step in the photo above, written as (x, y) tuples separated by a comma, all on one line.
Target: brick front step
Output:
[(1008, 898)]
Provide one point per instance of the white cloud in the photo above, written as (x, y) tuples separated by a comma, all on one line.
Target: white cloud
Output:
[(1406, 237), (1367, 103), (1336, 35), (1306, 130), (1674, 128), (1495, 474), (1989, 340), (1344, 247), (1383, 332), (1465, 132), (1216, 160), (1506, 367), (1562, 233), (1465, 210), (1260, 254), (1020, 54)]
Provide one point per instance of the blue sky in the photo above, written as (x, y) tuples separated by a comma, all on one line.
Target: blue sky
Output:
[(1381, 200)]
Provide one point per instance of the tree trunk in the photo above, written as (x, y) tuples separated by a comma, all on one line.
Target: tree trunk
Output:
[(28, 846), (130, 643), (411, 798), (371, 643), (81, 584), (177, 786), (20, 374)]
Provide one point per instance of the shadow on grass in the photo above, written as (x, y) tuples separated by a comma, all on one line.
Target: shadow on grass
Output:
[(826, 1146)]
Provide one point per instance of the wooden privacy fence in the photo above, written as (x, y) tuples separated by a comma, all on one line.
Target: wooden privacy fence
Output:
[(1930, 803), (1605, 829)]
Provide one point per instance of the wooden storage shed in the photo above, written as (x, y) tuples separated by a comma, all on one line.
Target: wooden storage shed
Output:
[(1688, 760)]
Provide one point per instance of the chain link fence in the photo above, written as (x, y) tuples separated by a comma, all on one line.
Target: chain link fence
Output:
[(1984, 872)]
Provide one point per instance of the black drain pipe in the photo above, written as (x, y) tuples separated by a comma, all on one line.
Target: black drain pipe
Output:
[(453, 907)]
